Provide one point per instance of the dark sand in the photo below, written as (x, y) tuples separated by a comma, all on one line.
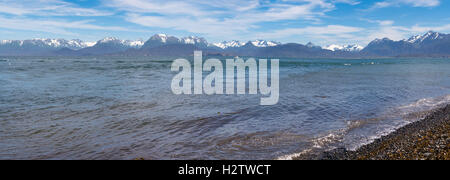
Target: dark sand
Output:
[(428, 139)]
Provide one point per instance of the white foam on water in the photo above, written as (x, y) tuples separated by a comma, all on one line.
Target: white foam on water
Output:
[(410, 113), (422, 106), (425, 104), (324, 143), (292, 156)]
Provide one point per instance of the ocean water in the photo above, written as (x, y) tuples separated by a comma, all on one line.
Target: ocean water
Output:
[(123, 108)]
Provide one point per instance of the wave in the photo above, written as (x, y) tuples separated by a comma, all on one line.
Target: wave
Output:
[(331, 140), (423, 107), (407, 113)]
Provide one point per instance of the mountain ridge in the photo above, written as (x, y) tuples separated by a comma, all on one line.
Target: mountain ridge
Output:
[(430, 44)]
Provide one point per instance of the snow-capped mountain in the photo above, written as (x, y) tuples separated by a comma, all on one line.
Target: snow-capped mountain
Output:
[(429, 36), (163, 39), (159, 40), (414, 39), (109, 45), (160, 37), (74, 44), (194, 40), (263, 43), (119, 42), (135, 44), (229, 44), (348, 48), (429, 44), (236, 44), (40, 46), (89, 44)]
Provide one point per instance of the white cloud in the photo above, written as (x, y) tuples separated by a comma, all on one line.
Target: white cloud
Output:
[(322, 34), (388, 29), (213, 18), (386, 23), (49, 16), (337, 34), (313, 30), (379, 22), (403, 32), (391, 32), (218, 18), (52, 26), (414, 3), (422, 3), (442, 28), (46, 8), (351, 2), (202, 25), (155, 6)]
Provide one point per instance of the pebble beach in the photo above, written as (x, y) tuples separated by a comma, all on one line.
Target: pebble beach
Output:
[(428, 139)]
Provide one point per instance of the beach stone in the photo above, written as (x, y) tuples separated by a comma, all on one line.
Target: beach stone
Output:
[(425, 139)]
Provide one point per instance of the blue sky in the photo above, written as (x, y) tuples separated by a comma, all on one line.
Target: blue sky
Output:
[(322, 22)]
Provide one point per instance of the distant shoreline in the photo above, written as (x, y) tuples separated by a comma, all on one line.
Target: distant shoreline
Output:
[(224, 56), (427, 139)]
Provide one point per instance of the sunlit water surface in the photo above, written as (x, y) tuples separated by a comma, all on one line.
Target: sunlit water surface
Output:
[(123, 108)]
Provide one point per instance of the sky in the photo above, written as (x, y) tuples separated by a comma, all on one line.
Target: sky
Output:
[(322, 22)]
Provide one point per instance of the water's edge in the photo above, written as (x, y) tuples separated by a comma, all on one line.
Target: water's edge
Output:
[(426, 139), (423, 110)]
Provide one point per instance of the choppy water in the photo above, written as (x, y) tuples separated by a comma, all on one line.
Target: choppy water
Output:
[(123, 108)]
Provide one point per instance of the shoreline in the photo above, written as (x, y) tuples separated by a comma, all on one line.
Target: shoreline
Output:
[(427, 139)]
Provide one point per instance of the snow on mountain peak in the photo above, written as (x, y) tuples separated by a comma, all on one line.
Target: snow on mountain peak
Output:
[(109, 39), (414, 39), (160, 37), (51, 43), (194, 40), (348, 48), (334, 47), (235, 44), (263, 43), (138, 43), (431, 35), (89, 44), (113, 40), (229, 44)]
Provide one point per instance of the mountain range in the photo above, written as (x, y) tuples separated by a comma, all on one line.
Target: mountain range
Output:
[(431, 44)]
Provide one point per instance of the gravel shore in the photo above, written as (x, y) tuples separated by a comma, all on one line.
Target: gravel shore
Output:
[(428, 139)]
